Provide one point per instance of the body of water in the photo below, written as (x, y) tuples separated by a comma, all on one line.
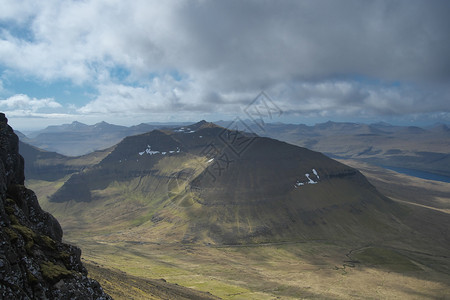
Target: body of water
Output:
[(419, 174)]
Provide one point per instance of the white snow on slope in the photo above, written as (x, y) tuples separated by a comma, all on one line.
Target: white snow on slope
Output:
[(149, 151), (184, 130), (315, 173), (309, 181)]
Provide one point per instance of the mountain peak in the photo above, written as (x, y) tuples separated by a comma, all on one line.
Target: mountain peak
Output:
[(76, 123), (102, 123)]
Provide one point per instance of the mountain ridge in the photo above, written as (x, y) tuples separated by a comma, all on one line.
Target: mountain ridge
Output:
[(381, 143)]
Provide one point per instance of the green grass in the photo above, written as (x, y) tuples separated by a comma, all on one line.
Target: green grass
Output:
[(289, 271), (386, 258)]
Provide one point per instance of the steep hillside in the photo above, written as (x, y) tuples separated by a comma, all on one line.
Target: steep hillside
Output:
[(34, 263), (207, 184)]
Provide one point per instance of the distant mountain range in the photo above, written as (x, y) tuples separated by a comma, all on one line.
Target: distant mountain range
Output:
[(415, 148), (423, 149), (78, 139)]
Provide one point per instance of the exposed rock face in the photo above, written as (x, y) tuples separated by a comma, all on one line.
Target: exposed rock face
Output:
[(34, 263)]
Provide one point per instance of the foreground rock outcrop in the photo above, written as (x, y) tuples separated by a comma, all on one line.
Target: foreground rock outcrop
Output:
[(34, 263)]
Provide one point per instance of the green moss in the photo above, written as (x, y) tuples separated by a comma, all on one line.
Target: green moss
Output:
[(48, 242), (10, 201), (63, 255), (26, 232), (13, 236), (9, 208), (53, 272), (31, 278), (13, 220), (28, 235)]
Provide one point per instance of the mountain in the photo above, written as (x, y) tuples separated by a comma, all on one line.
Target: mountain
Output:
[(51, 166), (34, 262), (381, 144), (207, 184), (78, 139)]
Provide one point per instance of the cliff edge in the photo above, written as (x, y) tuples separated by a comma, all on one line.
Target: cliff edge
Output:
[(34, 263)]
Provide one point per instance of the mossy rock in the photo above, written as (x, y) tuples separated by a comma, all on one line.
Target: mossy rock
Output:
[(47, 242), (65, 256), (54, 272), (31, 278), (14, 220), (26, 232), (13, 236), (9, 207), (10, 202), (28, 235)]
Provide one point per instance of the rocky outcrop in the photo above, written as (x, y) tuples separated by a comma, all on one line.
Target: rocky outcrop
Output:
[(34, 263)]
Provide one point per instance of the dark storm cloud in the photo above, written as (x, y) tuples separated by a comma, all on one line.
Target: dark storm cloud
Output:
[(392, 40)]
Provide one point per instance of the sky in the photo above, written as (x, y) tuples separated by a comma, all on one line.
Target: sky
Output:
[(127, 62)]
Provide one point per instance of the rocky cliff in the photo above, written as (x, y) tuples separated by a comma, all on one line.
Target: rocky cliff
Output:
[(34, 263)]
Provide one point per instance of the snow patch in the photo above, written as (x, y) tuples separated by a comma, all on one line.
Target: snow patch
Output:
[(184, 130), (315, 173), (149, 151), (309, 179)]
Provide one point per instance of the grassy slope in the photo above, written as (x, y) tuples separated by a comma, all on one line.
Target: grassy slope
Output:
[(389, 269)]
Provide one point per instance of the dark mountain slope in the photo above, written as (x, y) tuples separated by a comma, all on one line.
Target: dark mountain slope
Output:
[(204, 183), (34, 263)]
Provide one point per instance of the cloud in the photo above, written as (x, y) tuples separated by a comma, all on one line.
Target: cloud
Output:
[(309, 55), (338, 98), (23, 105), (401, 40)]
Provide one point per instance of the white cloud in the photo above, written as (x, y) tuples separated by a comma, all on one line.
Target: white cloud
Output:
[(23, 105), (250, 41), (227, 51)]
